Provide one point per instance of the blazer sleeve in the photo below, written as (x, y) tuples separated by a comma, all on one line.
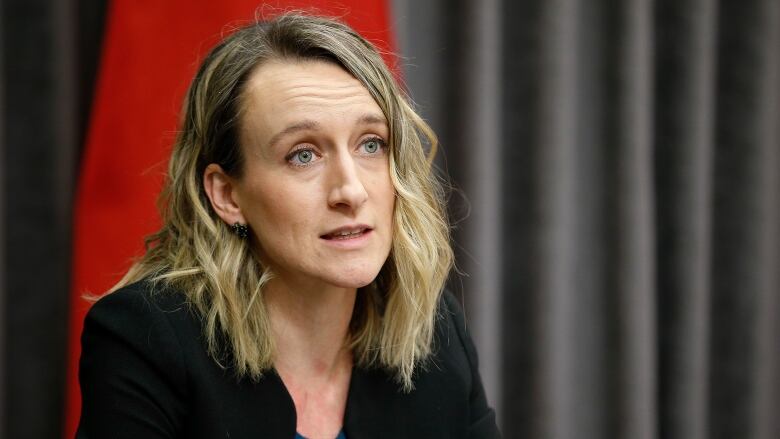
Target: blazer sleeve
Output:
[(482, 422), (131, 372)]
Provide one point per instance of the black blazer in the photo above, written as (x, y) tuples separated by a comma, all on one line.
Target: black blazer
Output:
[(145, 373)]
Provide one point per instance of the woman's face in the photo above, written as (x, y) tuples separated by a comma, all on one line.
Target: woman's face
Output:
[(315, 188)]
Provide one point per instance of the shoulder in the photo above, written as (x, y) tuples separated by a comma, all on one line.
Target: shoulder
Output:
[(132, 361), (138, 307), (139, 297), (138, 315), (450, 308), (143, 320), (455, 346), (451, 327)]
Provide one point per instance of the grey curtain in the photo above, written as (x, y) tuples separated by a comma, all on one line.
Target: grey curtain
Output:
[(48, 59), (621, 162)]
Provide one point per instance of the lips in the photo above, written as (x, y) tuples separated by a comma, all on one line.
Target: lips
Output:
[(347, 232)]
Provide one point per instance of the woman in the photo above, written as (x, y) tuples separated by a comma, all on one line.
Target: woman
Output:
[(295, 286)]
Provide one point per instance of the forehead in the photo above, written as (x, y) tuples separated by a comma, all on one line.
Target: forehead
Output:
[(282, 92)]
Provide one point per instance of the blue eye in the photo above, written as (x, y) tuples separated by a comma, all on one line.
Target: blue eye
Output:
[(301, 157), (372, 146)]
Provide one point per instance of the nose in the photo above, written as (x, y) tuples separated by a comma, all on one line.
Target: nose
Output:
[(346, 187)]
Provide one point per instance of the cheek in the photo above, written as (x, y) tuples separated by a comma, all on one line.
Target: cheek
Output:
[(383, 196), (279, 212), (386, 194)]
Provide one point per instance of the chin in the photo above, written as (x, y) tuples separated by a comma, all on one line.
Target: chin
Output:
[(355, 277), (352, 282)]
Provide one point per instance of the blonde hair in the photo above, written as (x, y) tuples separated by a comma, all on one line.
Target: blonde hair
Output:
[(196, 253)]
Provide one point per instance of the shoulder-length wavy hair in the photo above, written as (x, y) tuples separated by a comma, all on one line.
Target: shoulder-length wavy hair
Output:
[(196, 252)]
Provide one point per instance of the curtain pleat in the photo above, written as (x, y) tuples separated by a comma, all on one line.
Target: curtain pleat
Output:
[(632, 268), (743, 223), (522, 32), (766, 374), (685, 75), (555, 221)]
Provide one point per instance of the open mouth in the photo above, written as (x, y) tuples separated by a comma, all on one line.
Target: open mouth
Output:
[(345, 234)]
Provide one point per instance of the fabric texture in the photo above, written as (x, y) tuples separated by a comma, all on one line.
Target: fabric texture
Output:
[(144, 372)]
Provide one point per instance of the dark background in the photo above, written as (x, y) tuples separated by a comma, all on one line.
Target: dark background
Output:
[(50, 55)]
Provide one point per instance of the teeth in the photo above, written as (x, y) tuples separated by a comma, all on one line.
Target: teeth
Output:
[(347, 233)]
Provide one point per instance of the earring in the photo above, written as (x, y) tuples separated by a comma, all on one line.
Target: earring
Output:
[(241, 230)]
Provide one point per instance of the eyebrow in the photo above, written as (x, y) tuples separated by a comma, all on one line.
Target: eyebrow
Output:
[(313, 125)]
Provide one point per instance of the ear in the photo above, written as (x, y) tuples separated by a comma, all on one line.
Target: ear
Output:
[(221, 190)]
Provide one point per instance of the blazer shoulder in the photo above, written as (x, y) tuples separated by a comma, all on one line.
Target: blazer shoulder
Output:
[(144, 296), (451, 318), (146, 314), (132, 369), (450, 304), (143, 314), (482, 420)]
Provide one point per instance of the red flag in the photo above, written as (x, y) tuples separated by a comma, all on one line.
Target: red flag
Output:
[(150, 53)]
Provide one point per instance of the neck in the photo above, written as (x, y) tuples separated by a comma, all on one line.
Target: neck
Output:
[(310, 328)]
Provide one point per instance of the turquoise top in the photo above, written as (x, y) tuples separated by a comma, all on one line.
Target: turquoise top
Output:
[(340, 436)]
